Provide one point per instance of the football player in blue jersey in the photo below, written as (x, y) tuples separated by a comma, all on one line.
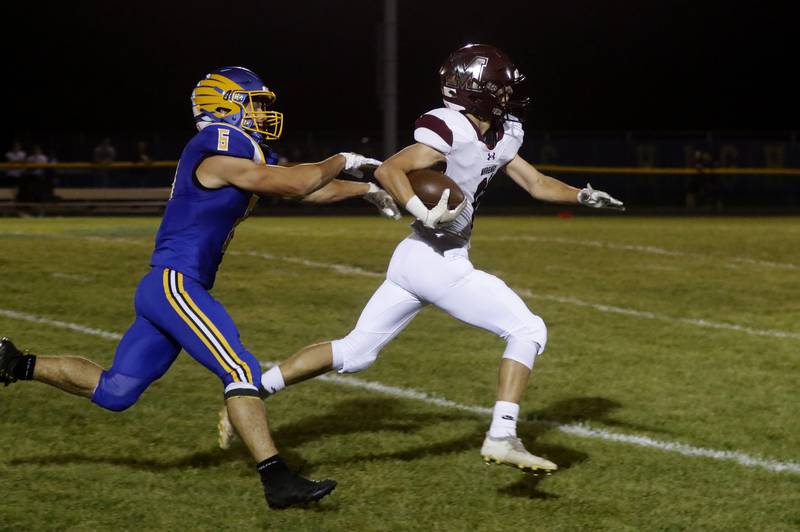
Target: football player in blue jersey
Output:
[(220, 175)]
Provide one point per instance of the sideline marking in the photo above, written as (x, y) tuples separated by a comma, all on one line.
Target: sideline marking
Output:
[(574, 429)]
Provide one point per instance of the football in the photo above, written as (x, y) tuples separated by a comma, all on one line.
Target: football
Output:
[(429, 184)]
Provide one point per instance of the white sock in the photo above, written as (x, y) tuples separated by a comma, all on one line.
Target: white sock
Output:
[(504, 419), (272, 380)]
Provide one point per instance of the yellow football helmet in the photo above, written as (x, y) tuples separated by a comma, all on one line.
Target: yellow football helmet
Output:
[(237, 96)]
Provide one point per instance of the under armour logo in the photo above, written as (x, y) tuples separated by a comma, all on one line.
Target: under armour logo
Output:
[(490, 156)]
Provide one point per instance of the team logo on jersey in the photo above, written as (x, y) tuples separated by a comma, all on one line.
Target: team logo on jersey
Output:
[(489, 170), (490, 156)]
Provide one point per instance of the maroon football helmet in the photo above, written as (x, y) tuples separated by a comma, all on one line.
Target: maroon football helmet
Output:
[(480, 79)]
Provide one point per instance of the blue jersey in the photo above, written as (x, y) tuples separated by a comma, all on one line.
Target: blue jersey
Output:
[(199, 222)]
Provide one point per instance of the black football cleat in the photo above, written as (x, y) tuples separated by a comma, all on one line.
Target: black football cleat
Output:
[(9, 357), (296, 490)]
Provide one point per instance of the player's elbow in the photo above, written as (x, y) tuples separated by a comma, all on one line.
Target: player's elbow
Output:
[(386, 174), (381, 172)]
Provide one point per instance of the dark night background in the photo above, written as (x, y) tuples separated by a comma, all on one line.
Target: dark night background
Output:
[(111, 68)]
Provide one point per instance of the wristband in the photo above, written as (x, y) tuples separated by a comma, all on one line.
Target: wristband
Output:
[(417, 208)]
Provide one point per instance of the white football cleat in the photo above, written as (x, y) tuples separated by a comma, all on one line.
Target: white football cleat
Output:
[(226, 431), (510, 451)]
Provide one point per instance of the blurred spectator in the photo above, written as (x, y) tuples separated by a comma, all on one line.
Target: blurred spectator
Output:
[(104, 153), (702, 187), (141, 155), (37, 183), (15, 155), (37, 156)]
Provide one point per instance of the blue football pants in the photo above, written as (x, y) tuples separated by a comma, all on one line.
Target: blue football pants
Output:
[(173, 312)]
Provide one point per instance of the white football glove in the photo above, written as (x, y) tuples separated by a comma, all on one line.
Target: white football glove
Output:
[(452, 214), (598, 199), (354, 161), (438, 215), (383, 201)]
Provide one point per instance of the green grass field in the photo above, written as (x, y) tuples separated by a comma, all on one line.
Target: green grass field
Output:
[(669, 339)]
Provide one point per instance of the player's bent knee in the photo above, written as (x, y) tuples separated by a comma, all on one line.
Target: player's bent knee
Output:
[(526, 343), (360, 362), (353, 353), (118, 392)]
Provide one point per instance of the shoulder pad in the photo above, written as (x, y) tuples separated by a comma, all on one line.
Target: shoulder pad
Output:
[(441, 128)]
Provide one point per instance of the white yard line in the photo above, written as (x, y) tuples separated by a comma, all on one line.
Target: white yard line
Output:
[(71, 277), (524, 292), (580, 430), (340, 268), (654, 316), (651, 250), (600, 307), (576, 429), (24, 316)]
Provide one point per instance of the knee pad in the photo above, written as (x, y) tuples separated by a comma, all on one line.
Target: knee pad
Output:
[(238, 389), (355, 352), (526, 343), (117, 392)]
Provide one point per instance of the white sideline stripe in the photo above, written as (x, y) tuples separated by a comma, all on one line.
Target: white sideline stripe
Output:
[(353, 270), (575, 429), (14, 315), (653, 250), (581, 430)]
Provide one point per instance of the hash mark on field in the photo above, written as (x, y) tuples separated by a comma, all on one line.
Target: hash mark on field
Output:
[(581, 430)]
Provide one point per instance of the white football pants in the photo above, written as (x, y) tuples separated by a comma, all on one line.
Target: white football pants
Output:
[(419, 275)]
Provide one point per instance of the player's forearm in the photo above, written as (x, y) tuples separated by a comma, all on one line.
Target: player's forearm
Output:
[(337, 190), (552, 190), (395, 181), (310, 177)]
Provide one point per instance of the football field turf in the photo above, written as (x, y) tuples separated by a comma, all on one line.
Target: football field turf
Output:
[(669, 393)]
